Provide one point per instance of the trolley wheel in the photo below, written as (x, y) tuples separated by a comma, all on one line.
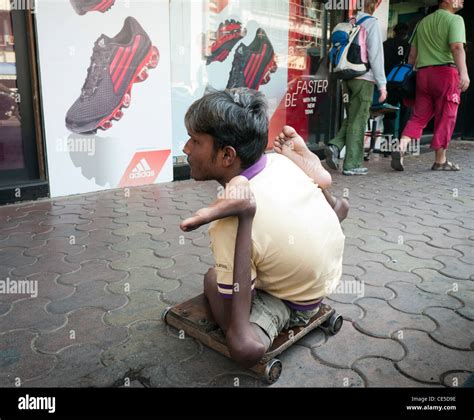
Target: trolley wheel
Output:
[(164, 313), (273, 371), (333, 324)]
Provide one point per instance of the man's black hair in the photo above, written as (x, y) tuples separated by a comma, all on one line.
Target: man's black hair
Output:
[(232, 117)]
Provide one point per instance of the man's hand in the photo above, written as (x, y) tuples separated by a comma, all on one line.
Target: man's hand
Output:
[(383, 95), (464, 81), (237, 200)]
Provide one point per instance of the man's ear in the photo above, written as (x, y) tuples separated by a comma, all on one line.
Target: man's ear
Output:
[(228, 156)]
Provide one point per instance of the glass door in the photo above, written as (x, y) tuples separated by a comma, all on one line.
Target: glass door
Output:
[(18, 140)]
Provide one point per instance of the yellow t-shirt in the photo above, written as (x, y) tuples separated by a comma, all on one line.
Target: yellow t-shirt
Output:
[(297, 241)]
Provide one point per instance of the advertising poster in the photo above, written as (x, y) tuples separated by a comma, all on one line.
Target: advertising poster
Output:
[(227, 44), (105, 77)]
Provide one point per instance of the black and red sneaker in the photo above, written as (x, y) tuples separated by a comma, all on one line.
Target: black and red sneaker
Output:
[(253, 64), (116, 64), (83, 6), (227, 35)]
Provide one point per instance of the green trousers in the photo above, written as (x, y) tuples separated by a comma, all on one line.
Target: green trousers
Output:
[(357, 98)]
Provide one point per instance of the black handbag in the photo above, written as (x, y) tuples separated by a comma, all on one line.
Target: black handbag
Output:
[(401, 81)]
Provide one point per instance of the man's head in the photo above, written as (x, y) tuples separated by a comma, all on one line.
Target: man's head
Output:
[(370, 6), (228, 133), (401, 30), (451, 5)]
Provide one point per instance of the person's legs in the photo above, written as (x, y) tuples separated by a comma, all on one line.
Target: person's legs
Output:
[(221, 308), (423, 111), (340, 140), (359, 112), (446, 109)]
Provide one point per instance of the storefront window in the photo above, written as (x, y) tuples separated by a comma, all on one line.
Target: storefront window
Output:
[(274, 46), (11, 142)]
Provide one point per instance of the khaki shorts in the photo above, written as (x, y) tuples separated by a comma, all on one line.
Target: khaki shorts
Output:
[(272, 315)]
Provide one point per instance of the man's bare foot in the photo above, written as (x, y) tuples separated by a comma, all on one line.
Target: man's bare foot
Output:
[(237, 200), (290, 144)]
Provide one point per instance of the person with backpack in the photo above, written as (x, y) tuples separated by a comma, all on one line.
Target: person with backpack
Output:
[(358, 94), (438, 52), (396, 51)]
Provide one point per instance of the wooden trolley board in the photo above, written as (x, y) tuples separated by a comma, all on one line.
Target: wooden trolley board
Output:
[(195, 319)]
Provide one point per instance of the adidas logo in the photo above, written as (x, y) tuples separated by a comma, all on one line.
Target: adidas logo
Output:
[(142, 170)]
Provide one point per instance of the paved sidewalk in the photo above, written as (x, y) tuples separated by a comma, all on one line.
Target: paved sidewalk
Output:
[(107, 264)]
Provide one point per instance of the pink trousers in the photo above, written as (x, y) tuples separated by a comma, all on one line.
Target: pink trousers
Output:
[(438, 95)]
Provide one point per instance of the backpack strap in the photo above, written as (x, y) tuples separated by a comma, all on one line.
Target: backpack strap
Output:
[(361, 20)]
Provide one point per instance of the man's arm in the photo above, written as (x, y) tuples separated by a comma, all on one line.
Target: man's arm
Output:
[(339, 205), (457, 48), (412, 56)]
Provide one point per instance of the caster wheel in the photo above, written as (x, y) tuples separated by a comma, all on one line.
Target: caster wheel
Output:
[(126, 100), (164, 313), (273, 371), (154, 59), (333, 324)]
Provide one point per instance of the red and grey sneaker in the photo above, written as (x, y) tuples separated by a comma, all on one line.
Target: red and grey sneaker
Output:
[(116, 64), (83, 6), (253, 64), (227, 35)]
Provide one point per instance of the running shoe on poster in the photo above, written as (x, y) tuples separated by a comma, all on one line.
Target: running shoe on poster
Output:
[(253, 64), (83, 6), (116, 64), (227, 35)]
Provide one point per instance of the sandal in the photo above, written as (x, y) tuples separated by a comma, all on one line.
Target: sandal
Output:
[(446, 166), (397, 161)]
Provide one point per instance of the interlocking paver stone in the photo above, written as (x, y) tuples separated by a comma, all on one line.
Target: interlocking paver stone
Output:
[(58, 245), (143, 278), (353, 255), (65, 230), (301, 370), (349, 345), (426, 251), (395, 235), (421, 366), (149, 345), (453, 330), (19, 360), (457, 232), (99, 235), (142, 305), (376, 244), (99, 251), (48, 262), (467, 251), (454, 267), (412, 300), (349, 311), (134, 228), (379, 373), (83, 326), (435, 282), (184, 264), (376, 274), (24, 240), (31, 314), (141, 258), (401, 261), (92, 270), (381, 320), (13, 257), (92, 294), (467, 298), (140, 241), (74, 363)]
